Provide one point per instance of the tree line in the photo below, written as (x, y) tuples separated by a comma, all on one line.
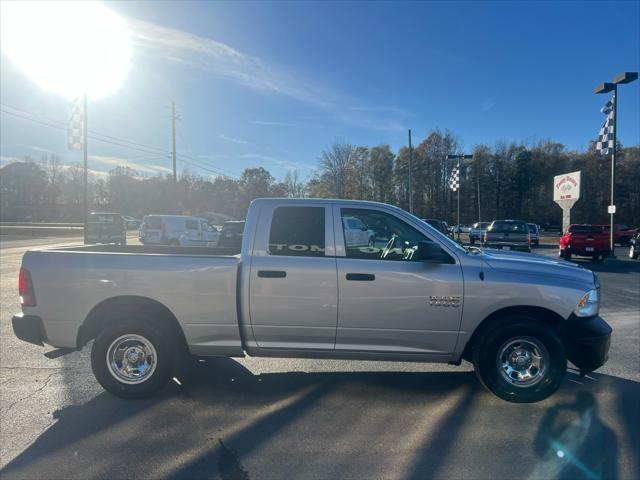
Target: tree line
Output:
[(504, 180)]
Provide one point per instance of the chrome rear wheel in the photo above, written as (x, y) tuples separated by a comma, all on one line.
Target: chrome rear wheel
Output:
[(131, 359)]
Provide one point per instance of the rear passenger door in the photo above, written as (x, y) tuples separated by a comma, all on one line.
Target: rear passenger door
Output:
[(293, 291)]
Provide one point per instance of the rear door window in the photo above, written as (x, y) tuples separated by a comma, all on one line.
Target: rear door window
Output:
[(297, 231)]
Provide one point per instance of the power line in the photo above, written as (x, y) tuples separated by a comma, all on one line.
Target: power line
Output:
[(95, 135), (149, 150)]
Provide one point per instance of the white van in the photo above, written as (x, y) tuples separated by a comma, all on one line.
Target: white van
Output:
[(180, 230)]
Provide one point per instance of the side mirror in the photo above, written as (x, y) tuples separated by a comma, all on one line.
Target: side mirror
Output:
[(432, 252), (364, 228)]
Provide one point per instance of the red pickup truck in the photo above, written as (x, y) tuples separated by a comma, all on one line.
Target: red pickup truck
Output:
[(584, 240), (622, 234)]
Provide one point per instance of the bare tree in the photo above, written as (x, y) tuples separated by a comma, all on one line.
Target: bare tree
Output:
[(293, 186), (335, 162)]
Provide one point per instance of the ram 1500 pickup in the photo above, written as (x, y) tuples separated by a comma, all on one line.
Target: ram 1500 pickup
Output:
[(298, 288)]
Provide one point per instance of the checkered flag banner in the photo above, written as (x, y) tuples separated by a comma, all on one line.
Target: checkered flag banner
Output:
[(454, 179), (75, 137), (605, 138)]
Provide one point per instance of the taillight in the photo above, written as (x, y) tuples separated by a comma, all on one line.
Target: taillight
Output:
[(486, 237), (25, 289), (529, 239)]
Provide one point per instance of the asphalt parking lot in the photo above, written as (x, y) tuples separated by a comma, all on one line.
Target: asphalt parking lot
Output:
[(272, 418)]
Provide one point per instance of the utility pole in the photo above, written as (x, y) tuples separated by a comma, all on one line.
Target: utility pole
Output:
[(173, 138), (410, 175)]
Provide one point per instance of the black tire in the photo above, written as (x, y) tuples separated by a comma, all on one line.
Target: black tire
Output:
[(165, 355), (566, 254), (372, 242), (490, 342), (472, 240)]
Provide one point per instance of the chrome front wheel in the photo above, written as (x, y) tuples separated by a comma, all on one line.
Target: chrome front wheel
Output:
[(523, 361)]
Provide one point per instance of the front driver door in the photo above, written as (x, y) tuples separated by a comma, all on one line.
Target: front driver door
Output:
[(389, 301)]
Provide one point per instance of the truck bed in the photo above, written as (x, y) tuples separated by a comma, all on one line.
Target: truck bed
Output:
[(150, 249), (197, 285)]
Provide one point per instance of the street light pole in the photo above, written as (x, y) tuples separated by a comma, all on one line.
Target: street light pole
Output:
[(86, 165), (623, 78), (459, 158), (410, 174), (613, 172)]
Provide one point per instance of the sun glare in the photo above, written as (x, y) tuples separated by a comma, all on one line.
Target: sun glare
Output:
[(67, 47)]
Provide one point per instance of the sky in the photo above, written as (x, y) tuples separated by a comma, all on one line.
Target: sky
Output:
[(272, 84)]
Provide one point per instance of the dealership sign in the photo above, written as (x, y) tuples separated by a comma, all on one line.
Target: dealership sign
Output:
[(566, 186), (566, 192)]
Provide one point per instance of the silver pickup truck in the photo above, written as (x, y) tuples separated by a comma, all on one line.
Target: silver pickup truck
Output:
[(301, 287)]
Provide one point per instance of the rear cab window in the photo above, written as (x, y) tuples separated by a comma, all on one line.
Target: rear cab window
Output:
[(104, 218), (585, 229), (509, 227)]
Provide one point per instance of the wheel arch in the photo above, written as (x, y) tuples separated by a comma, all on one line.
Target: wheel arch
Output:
[(549, 317), (122, 309)]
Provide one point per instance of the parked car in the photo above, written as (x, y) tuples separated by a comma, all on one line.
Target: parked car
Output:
[(231, 234), (508, 235), (622, 234), (476, 233), (439, 225), (131, 222), (552, 227), (297, 288), (357, 233), (634, 247), (105, 227), (584, 240), (535, 233), (177, 230), (461, 228)]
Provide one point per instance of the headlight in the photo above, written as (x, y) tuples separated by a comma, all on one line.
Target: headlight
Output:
[(589, 304)]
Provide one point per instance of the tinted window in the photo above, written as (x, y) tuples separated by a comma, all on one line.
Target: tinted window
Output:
[(401, 240), (509, 227), (191, 224), (104, 218), (152, 222), (297, 231), (585, 229)]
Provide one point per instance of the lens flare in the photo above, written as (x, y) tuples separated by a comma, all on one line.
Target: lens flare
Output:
[(67, 47)]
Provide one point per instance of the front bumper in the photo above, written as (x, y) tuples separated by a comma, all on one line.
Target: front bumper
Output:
[(587, 341), (29, 328)]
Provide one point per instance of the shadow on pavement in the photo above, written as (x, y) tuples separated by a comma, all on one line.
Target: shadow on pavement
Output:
[(231, 424)]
